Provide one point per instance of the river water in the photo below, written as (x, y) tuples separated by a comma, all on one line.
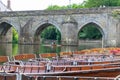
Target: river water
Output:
[(14, 49)]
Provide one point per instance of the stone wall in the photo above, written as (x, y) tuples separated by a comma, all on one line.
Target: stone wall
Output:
[(29, 24)]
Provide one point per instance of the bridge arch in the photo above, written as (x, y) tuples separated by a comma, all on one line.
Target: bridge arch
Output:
[(6, 31), (50, 22), (99, 27), (11, 23), (41, 26)]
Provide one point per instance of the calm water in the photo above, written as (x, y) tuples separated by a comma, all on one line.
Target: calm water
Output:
[(14, 49)]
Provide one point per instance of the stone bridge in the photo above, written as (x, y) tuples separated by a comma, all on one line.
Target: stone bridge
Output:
[(30, 24)]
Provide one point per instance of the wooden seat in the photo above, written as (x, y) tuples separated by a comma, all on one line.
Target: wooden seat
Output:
[(24, 56), (47, 55), (6, 64), (4, 59), (68, 54)]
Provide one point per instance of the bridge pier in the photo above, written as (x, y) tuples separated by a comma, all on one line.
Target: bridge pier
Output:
[(110, 43), (69, 34), (36, 40), (2, 38), (7, 38)]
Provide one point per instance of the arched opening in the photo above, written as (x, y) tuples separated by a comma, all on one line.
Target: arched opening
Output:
[(90, 32), (48, 33), (8, 33)]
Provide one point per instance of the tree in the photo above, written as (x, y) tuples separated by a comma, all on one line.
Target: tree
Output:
[(98, 3), (90, 31), (50, 33), (73, 6), (15, 36)]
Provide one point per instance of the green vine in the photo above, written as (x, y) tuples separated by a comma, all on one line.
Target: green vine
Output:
[(116, 14)]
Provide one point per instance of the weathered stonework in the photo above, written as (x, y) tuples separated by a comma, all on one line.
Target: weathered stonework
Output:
[(29, 24), (69, 34)]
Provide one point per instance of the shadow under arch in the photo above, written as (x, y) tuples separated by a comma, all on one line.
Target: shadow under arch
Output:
[(13, 24), (6, 31), (41, 28), (50, 21)]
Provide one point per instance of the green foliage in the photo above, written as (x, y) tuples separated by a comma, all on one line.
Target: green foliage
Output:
[(15, 35), (98, 3), (73, 6), (55, 7), (116, 14), (87, 4), (76, 6), (51, 33), (90, 31), (92, 3)]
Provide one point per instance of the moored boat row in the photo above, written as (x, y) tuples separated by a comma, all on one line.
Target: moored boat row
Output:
[(67, 64)]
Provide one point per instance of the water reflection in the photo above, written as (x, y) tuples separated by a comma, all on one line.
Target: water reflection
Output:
[(14, 49)]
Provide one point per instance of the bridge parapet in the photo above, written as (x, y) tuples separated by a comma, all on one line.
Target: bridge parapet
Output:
[(58, 12)]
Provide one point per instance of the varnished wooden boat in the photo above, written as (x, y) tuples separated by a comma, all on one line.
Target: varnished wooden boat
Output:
[(96, 69), (105, 70), (62, 66)]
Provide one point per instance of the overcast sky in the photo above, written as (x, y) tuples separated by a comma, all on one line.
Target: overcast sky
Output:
[(37, 4)]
